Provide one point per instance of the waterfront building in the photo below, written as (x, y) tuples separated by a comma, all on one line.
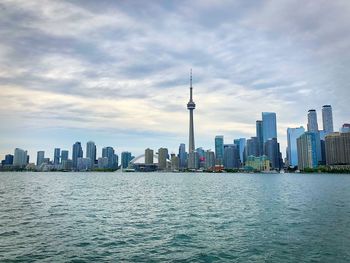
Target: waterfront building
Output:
[(219, 149), (162, 158), (345, 127), (102, 162), (271, 148), (260, 163), (259, 135), (84, 164), (20, 158), (64, 155), (327, 119), (91, 151), (126, 158), (77, 153), (174, 162), (307, 150), (56, 156), (269, 125), (292, 151), (201, 152), (253, 147), (8, 160), (241, 149), (191, 106), (40, 158), (148, 156), (337, 147), (312, 124), (109, 153), (209, 157), (67, 164), (231, 156), (182, 156), (193, 160)]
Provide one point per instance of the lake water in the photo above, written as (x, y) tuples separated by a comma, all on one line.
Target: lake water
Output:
[(152, 217)]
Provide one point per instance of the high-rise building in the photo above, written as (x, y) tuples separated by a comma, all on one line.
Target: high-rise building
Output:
[(148, 156), (231, 156), (56, 156), (109, 153), (209, 160), (219, 149), (242, 150), (162, 158), (269, 125), (338, 148), (327, 119), (174, 162), (191, 106), (126, 158), (102, 163), (91, 151), (312, 125), (64, 155), (201, 152), (182, 156), (20, 158), (292, 151), (84, 164), (77, 153), (8, 160), (193, 160), (259, 135), (307, 150), (40, 158), (253, 147), (271, 148), (345, 127)]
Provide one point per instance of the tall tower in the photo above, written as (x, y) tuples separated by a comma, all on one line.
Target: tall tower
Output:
[(312, 125), (191, 106), (327, 119)]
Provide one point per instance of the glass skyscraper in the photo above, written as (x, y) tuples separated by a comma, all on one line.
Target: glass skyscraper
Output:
[(77, 153), (269, 125), (292, 152), (91, 152), (327, 119), (56, 156), (312, 125), (259, 135), (219, 149)]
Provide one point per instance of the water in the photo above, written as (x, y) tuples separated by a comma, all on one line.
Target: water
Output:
[(90, 217)]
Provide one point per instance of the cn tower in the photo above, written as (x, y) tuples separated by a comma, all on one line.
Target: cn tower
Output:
[(191, 106)]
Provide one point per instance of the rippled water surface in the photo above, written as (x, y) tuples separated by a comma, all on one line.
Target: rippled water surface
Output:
[(94, 217)]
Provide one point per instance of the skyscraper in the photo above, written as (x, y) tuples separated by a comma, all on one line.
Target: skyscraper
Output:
[(272, 152), (252, 148), (91, 152), (40, 158), (148, 156), (269, 125), (231, 156), (327, 119), (126, 158), (312, 125), (193, 160), (292, 152), (109, 153), (56, 156), (209, 160), (77, 153), (259, 135), (64, 155), (182, 156), (307, 150), (191, 106), (219, 149), (162, 158), (338, 148), (20, 158)]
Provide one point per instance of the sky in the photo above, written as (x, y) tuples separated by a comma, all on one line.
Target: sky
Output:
[(117, 72)]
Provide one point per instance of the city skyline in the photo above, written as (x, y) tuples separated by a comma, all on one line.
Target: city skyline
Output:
[(116, 76)]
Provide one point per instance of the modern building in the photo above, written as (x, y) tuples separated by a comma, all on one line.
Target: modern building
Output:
[(163, 155), (209, 157), (56, 156), (109, 153), (345, 127), (219, 149), (20, 158), (8, 160), (201, 154), (271, 148), (126, 158), (292, 152), (91, 151), (253, 147), (231, 156), (307, 150), (191, 106), (174, 162), (241, 148), (102, 163), (337, 146), (312, 124), (193, 160), (327, 119), (269, 125), (77, 153), (64, 155), (259, 135), (40, 158), (149, 156), (67, 165), (182, 156), (84, 164), (261, 163)]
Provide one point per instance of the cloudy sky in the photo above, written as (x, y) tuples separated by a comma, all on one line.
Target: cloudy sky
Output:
[(117, 72)]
